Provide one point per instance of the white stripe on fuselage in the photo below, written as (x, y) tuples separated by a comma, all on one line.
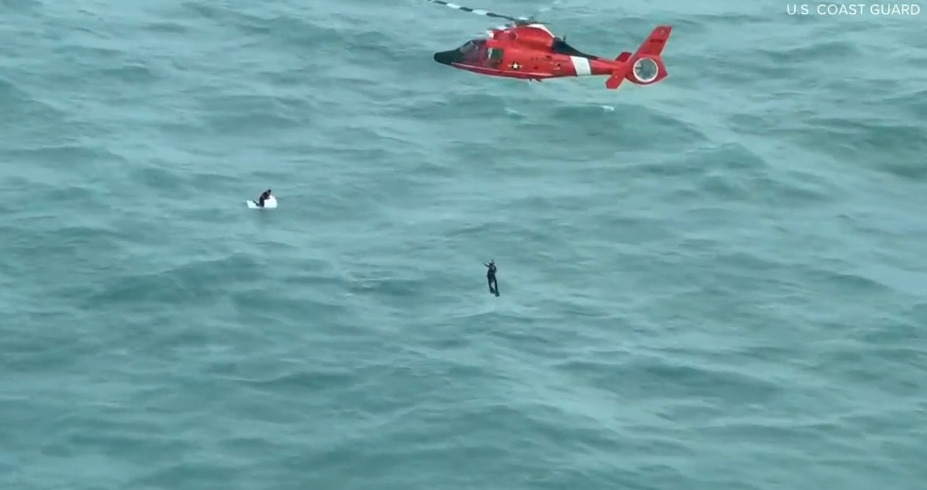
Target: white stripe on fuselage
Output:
[(581, 65)]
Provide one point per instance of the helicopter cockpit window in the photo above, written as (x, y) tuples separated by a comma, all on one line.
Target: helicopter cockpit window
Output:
[(495, 54), (470, 47)]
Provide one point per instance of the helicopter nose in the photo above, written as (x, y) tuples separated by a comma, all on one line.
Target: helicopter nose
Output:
[(448, 57)]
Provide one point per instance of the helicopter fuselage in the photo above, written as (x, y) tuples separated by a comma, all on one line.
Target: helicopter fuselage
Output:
[(533, 52)]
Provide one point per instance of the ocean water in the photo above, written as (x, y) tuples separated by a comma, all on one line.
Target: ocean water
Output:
[(718, 282)]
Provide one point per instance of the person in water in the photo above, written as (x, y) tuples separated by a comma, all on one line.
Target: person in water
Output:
[(265, 196), (491, 277)]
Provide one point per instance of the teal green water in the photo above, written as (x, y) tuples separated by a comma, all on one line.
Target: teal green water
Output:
[(715, 283)]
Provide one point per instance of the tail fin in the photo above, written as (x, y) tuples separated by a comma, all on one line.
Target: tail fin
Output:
[(645, 67)]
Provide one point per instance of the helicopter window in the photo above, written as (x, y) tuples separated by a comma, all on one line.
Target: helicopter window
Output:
[(470, 46), (561, 47), (495, 54)]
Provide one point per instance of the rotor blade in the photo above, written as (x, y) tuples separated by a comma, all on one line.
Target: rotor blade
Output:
[(479, 12)]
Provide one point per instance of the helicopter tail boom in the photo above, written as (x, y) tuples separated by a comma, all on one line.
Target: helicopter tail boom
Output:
[(644, 67)]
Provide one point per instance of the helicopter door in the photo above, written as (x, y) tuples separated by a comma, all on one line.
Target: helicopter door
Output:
[(495, 57)]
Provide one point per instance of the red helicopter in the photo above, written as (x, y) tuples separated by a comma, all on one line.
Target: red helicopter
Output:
[(528, 50)]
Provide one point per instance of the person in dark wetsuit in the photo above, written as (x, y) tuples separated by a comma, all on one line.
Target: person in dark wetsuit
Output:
[(491, 277), (265, 196)]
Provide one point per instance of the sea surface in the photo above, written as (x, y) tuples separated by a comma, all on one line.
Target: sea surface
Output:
[(715, 283)]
